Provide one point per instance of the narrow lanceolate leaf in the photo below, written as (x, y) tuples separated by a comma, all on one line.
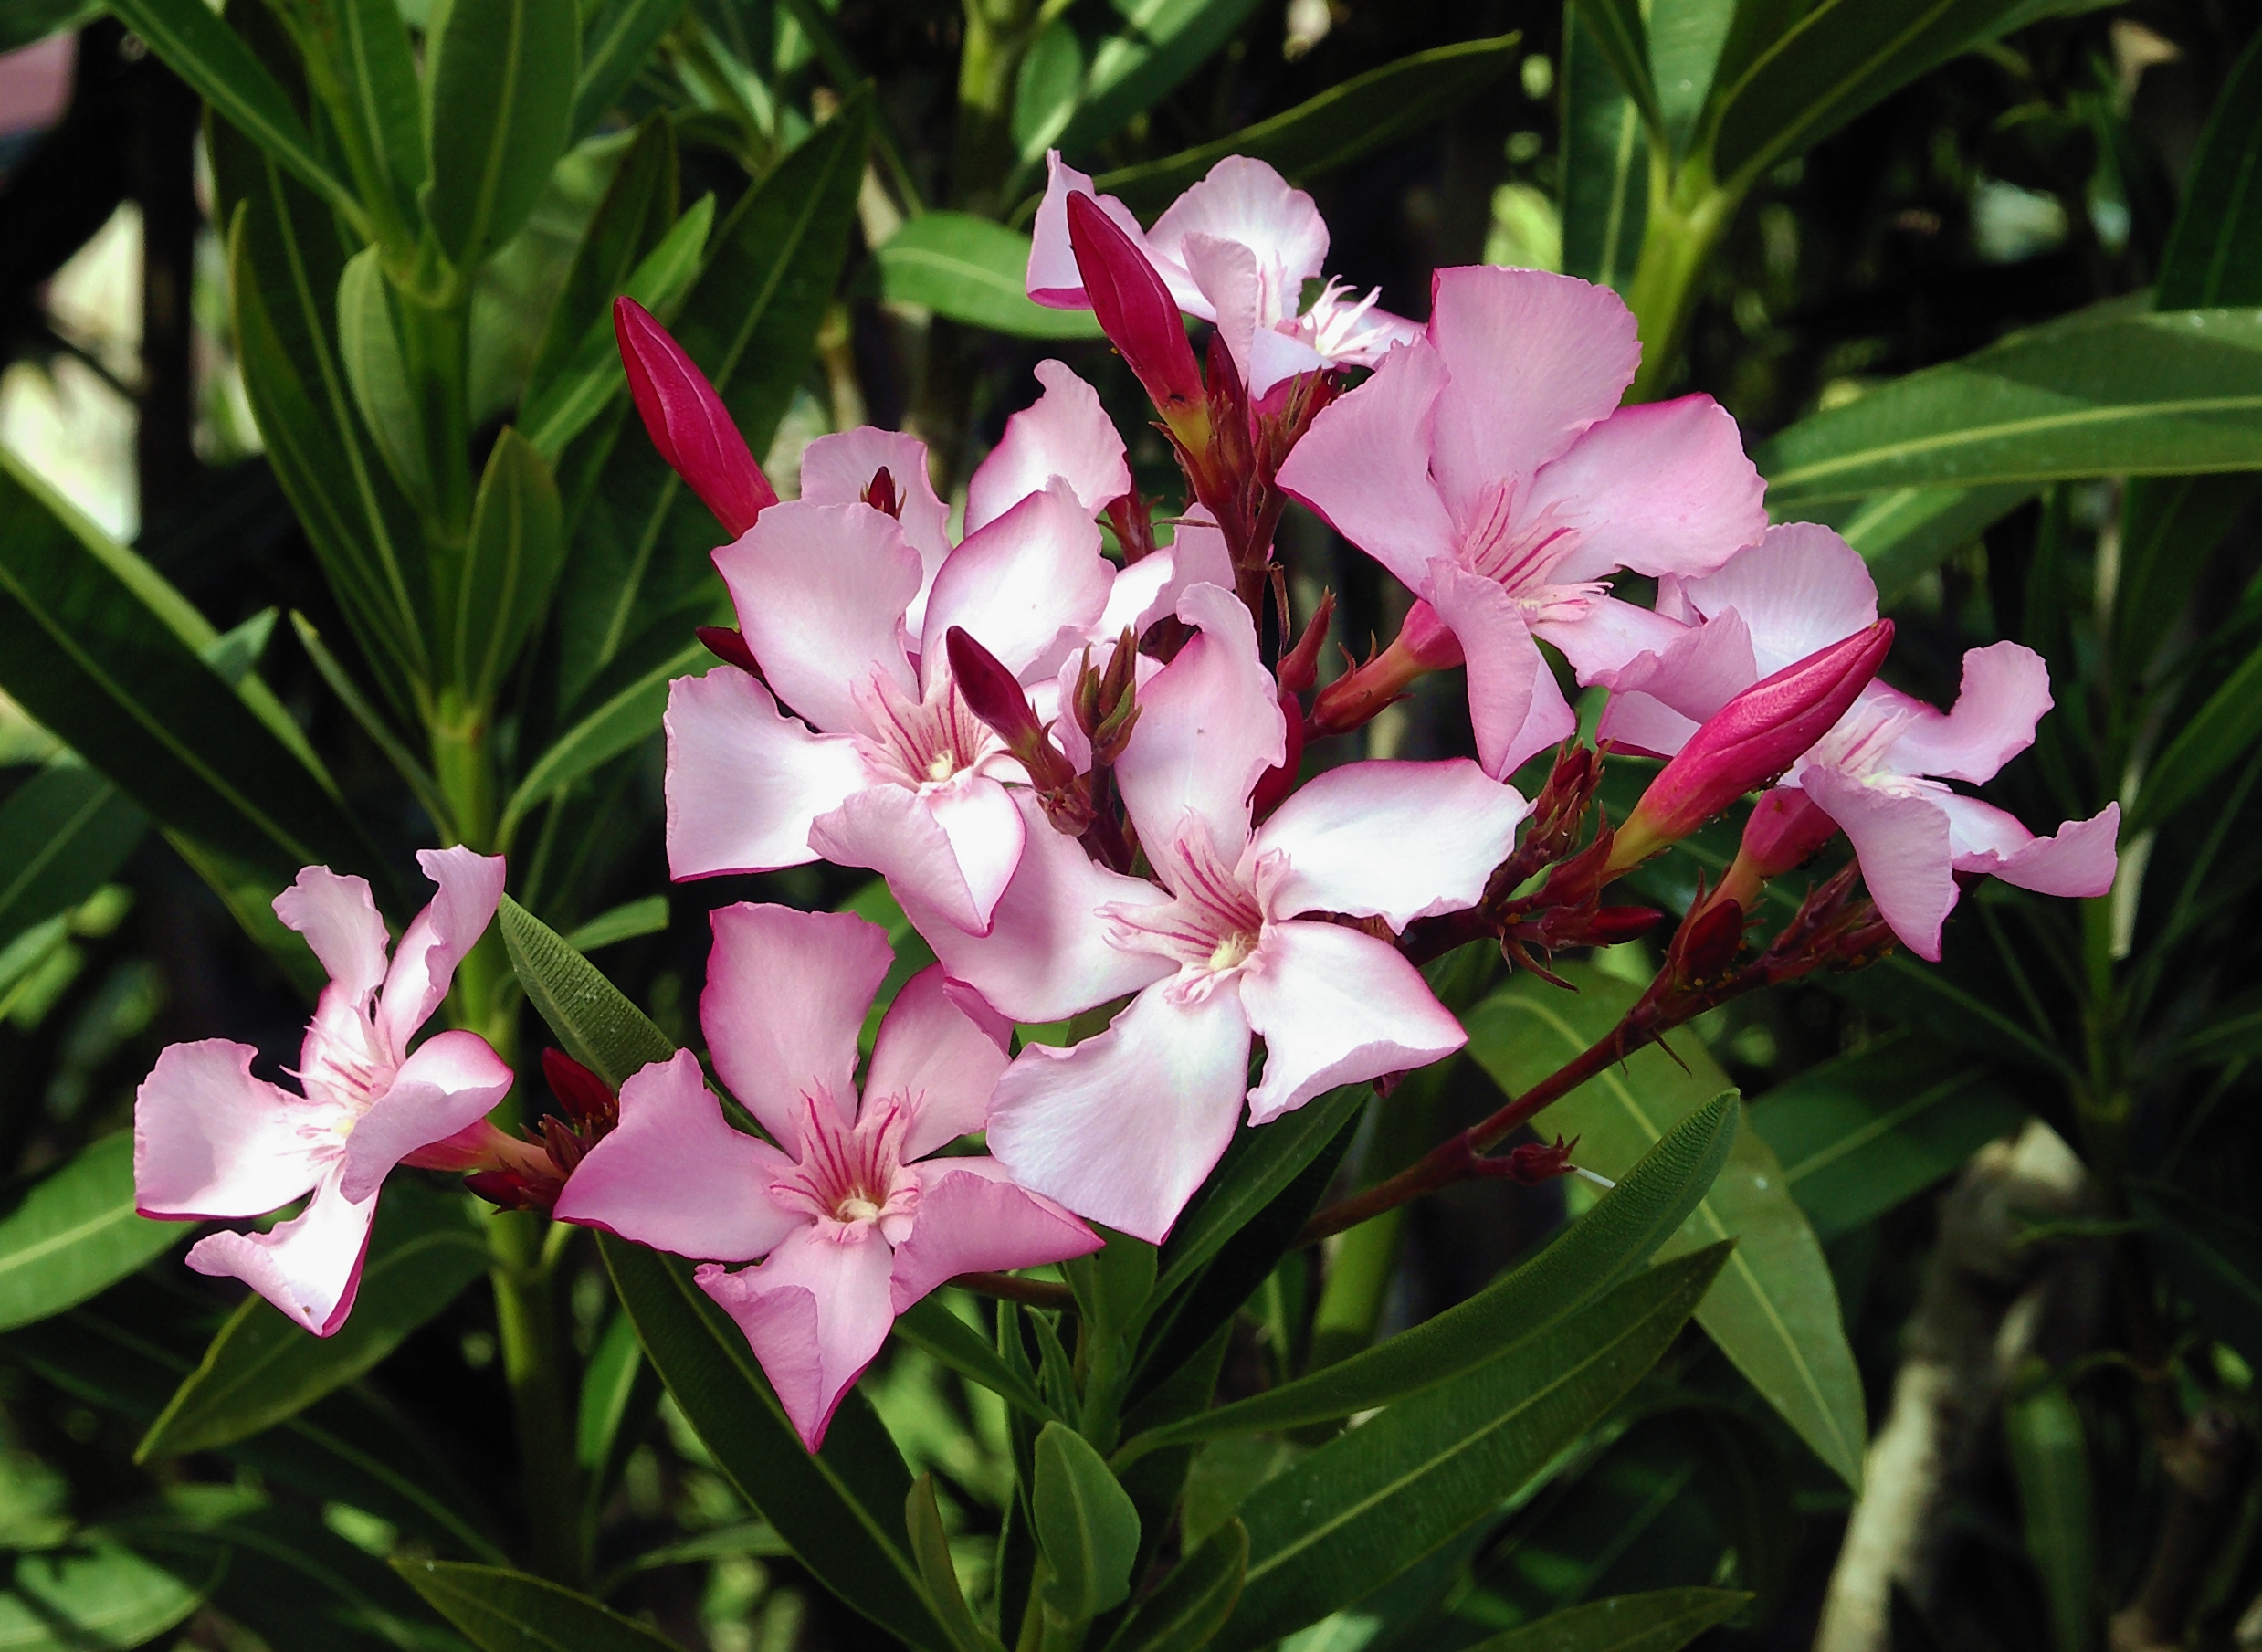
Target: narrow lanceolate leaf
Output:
[(1605, 191), (1371, 1502), (931, 1547), (2050, 1461), (1774, 1311), (2224, 729), (629, 713), (1616, 29), (502, 106), (262, 1368), (1664, 1620), (839, 1510), (616, 38), (1906, 532), (637, 209), (2101, 392), (509, 567), (369, 347), (1158, 44), (92, 1599), (1087, 1528), (2215, 1258), (363, 55), (63, 833), (503, 1611), (595, 1023), (1191, 1603), (73, 1232), (973, 270), (626, 921), (85, 649), (930, 1326)]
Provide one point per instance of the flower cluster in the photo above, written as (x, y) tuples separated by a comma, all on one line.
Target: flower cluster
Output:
[(1106, 803)]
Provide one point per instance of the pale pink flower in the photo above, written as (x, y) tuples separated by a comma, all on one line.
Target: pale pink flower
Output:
[(853, 1217), (212, 1141), (1227, 946), (1489, 467), (1880, 771), (1237, 248)]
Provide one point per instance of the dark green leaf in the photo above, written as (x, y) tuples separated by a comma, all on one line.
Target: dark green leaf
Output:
[(972, 270), (100, 1598), (26, 22), (2215, 1258), (1906, 532), (263, 1367), (1157, 43), (1663, 1621), (599, 1027), (930, 1326), (631, 919), (64, 833), (360, 56), (629, 714), (1194, 1601), (619, 1390), (930, 1546), (639, 207), (2171, 525), (1617, 31), (369, 346), (517, 544), (1373, 1502), (2225, 727), (502, 76), (2050, 1461), (374, 723), (616, 39), (2233, 1034), (73, 1232), (1604, 193), (504, 1611), (1686, 38), (1087, 1529)]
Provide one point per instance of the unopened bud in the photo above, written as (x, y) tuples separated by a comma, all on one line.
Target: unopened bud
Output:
[(728, 646), (1135, 310), (585, 1098), (1106, 704), (991, 692), (883, 496), (687, 421), (1300, 667), (1704, 947)]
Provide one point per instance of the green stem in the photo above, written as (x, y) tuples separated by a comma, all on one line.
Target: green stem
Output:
[(1687, 218), (536, 1359)]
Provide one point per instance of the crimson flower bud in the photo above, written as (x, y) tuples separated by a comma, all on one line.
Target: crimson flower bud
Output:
[(991, 692), (727, 644), (1532, 1162), (1750, 742), (882, 495), (1135, 310), (1300, 667), (687, 421), (587, 1099)]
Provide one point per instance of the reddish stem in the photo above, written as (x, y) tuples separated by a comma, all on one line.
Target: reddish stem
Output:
[(1035, 1293)]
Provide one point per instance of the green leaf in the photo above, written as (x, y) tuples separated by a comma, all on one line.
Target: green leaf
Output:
[(2225, 727), (1373, 1502), (972, 270), (101, 1598), (91, 648), (1905, 532), (1686, 38), (2102, 392), (194, 44), (73, 1232), (1604, 192), (1621, 1233), (63, 833), (1087, 1529), (638, 208), (1869, 1130), (616, 40), (504, 74), (504, 1611), (374, 723), (619, 1390), (263, 1367), (2050, 1462), (360, 55), (624, 718), (1157, 43), (1194, 1601), (836, 1508), (1616, 30), (930, 1326), (1046, 88), (27, 21), (1665, 1620), (623, 923), (2215, 1258), (930, 1546), (1347, 120), (1774, 1313), (599, 1027), (369, 346), (642, 540), (517, 544)]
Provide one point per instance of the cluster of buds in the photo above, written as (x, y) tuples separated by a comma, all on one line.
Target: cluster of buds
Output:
[(587, 1112)]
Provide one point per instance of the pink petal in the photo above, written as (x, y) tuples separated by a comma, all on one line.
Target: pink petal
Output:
[(1336, 1007), (309, 1266), (1276, 357), (1123, 1128), (340, 924), (673, 1174), (1391, 840), (1660, 489), (451, 1082), (1149, 589), (2005, 690), (424, 964), (1021, 582), (973, 1219), (1226, 273), (1046, 956), (786, 997), (1209, 726), (1610, 636), (1644, 727), (1244, 200), (1902, 844), (1800, 589), (1701, 670), (2077, 861), (940, 1050), (836, 470), (1065, 432), (210, 1140), (745, 782), (821, 591), (1364, 467), (815, 1313), (1053, 278), (950, 851), (1514, 705), (1533, 360)]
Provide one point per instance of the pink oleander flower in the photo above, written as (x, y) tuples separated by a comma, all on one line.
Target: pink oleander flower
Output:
[(853, 1217), (1237, 248), (1880, 771), (1234, 940), (1489, 467), (852, 744), (212, 1142)]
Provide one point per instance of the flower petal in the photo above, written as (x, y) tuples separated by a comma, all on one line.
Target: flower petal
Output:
[(2079, 860), (940, 1050), (1020, 583), (1902, 844), (451, 1082), (1533, 360), (210, 1140), (1336, 1007), (424, 964), (673, 1174), (1046, 956), (971, 1219), (1514, 705), (745, 781), (1800, 589), (1391, 840), (1701, 670), (837, 469), (1364, 466), (2005, 690), (340, 924), (1149, 589), (786, 997), (950, 851), (1053, 278), (815, 1315), (1665, 487), (1244, 200), (821, 591), (1122, 1128), (1226, 272), (1209, 726), (1610, 635), (1065, 432), (309, 1266)]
